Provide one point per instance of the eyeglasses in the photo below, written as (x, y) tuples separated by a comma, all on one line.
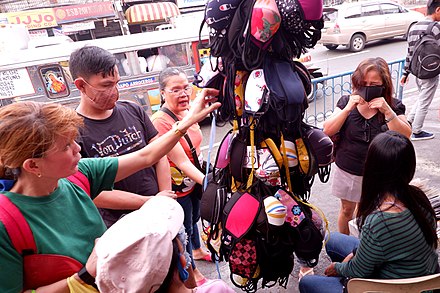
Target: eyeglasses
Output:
[(177, 92)]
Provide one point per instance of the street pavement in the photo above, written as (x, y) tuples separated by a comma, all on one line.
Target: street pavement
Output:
[(428, 167)]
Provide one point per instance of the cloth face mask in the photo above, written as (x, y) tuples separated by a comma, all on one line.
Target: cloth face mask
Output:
[(371, 92)]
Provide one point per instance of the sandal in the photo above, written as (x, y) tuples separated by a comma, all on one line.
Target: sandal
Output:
[(305, 273), (207, 258)]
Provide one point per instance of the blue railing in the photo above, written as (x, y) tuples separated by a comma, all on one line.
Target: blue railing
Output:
[(327, 90)]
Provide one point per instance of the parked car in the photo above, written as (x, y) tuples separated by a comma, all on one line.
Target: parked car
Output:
[(357, 23)]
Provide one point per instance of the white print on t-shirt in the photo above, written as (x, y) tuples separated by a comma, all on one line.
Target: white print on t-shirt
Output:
[(113, 145)]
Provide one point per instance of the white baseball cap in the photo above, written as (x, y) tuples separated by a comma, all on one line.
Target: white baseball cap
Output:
[(134, 255)]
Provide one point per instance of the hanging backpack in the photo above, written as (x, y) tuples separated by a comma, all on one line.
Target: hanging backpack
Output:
[(218, 16), (308, 238), (287, 93), (321, 147), (425, 62), (216, 195), (238, 244)]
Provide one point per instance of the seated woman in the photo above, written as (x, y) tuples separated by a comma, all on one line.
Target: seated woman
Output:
[(397, 222)]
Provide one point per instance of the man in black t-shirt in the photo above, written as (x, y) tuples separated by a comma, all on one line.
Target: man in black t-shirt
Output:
[(113, 128)]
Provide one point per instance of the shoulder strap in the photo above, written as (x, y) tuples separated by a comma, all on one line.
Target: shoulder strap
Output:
[(430, 27), (17, 227), (186, 136), (81, 180)]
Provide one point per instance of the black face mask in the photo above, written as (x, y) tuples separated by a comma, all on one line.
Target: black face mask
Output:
[(371, 92)]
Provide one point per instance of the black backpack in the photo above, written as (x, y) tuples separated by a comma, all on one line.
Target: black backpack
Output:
[(425, 62)]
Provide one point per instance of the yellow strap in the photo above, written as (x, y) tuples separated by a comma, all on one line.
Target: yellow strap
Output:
[(286, 164), (274, 150), (235, 125), (76, 287), (251, 176)]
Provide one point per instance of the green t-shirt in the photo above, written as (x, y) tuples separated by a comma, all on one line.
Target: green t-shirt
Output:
[(66, 222)]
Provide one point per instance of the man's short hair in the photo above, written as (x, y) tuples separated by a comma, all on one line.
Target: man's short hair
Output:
[(432, 6), (91, 60)]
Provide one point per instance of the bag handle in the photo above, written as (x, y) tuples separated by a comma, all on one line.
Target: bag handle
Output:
[(186, 136)]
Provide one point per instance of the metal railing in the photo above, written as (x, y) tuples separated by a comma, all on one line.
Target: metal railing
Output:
[(327, 90)]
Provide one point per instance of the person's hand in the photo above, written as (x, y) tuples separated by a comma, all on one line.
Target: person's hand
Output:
[(200, 107), (404, 80), (382, 106), (330, 271), (168, 193), (354, 101)]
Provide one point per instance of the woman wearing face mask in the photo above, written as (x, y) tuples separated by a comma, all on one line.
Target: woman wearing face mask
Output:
[(358, 118)]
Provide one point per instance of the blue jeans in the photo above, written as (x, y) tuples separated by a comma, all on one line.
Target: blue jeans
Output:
[(191, 210), (337, 248)]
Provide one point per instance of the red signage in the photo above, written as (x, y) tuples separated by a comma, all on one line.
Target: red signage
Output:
[(84, 11)]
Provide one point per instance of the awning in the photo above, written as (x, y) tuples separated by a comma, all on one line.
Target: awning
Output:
[(146, 12)]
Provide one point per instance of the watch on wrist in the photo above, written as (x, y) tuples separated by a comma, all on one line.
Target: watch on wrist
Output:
[(388, 120), (177, 131), (84, 275)]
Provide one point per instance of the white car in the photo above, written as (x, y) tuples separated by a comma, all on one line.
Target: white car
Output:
[(357, 23)]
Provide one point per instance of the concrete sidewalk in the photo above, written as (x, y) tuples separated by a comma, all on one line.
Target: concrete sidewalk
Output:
[(428, 167)]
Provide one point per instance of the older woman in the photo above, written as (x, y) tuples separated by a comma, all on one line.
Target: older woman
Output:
[(398, 236), (358, 118), (38, 146), (176, 92)]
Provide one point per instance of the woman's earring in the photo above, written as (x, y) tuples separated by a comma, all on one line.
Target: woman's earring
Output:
[(39, 175)]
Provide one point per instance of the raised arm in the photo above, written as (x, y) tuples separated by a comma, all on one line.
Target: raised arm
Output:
[(149, 155)]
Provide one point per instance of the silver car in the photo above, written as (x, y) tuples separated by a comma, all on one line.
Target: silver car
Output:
[(354, 24)]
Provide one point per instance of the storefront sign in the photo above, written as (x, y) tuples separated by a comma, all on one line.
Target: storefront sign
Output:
[(14, 83), (36, 34), (84, 11), (78, 26), (190, 3), (34, 19)]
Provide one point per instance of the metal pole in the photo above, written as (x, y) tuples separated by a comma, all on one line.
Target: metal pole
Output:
[(121, 17)]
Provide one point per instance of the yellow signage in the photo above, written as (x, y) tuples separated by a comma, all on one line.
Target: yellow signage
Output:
[(34, 19)]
